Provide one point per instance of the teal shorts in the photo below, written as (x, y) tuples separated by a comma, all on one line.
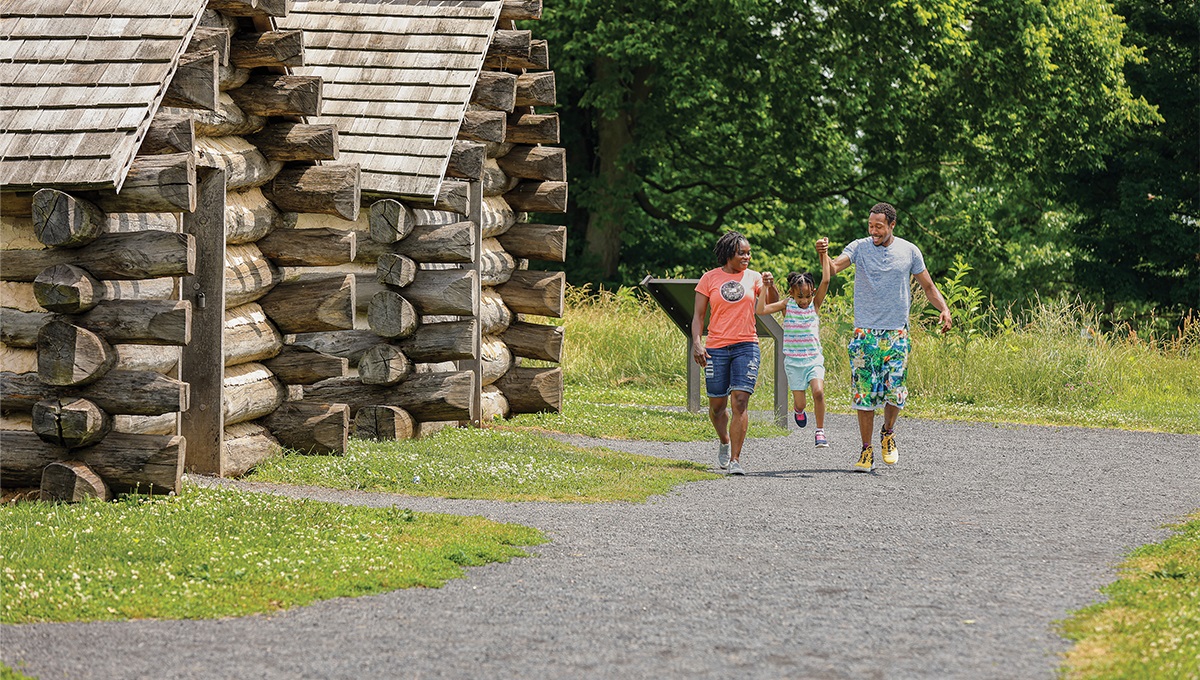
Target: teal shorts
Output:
[(802, 371), (878, 368)]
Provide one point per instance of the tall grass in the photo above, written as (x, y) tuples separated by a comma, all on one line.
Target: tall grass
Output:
[(1048, 363)]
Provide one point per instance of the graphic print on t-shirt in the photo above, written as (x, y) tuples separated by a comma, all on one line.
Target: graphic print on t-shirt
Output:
[(732, 291)]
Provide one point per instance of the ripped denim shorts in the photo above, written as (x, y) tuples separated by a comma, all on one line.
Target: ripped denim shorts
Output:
[(732, 367)]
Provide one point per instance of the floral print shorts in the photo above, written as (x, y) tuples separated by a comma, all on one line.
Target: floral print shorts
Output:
[(878, 365)]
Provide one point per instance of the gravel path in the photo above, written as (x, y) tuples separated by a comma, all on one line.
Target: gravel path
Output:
[(954, 564)]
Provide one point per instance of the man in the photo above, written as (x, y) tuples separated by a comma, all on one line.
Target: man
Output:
[(879, 349)]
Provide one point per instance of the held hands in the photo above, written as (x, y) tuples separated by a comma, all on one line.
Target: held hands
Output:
[(768, 280), (823, 246)]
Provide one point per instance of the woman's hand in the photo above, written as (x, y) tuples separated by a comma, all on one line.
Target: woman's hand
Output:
[(699, 354)]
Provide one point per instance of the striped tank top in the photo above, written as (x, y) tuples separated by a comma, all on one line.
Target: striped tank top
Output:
[(801, 332)]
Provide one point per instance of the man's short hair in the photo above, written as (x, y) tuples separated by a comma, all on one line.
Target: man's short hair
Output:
[(885, 209)]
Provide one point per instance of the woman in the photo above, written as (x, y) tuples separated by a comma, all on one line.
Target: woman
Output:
[(731, 355)]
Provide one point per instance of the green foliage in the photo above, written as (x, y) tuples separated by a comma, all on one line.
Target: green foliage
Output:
[(1149, 625), (485, 463), (10, 673), (211, 553)]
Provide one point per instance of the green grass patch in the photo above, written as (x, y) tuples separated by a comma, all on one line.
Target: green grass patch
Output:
[(211, 553), (1150, 625), (494, 464), (9, 673)]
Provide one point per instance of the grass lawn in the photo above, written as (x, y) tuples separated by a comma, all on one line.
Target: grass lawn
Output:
[(211, 553), (487, 463)]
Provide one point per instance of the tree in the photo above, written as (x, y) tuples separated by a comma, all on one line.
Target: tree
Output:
[(683, 118)]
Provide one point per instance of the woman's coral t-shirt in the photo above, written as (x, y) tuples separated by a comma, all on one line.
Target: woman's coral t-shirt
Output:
[(731, 304)]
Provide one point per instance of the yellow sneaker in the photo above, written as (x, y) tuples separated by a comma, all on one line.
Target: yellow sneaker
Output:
[(887, 444), (866, 460)]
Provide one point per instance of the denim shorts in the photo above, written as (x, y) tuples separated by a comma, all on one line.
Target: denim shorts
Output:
[(732, 367)]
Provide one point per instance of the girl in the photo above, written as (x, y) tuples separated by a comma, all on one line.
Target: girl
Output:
[(731, 355), (803, 362)]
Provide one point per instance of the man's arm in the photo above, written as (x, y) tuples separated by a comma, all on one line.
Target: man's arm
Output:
[(840, 264), (935, 298)]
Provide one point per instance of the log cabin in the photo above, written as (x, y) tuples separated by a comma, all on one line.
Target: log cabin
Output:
[(232, 226)]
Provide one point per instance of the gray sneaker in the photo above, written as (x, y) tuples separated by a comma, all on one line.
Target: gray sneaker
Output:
[(736, 469), (723, 456)]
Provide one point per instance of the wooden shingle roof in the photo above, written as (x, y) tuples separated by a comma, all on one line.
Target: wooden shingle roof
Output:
[(398, 75), (80, 81)]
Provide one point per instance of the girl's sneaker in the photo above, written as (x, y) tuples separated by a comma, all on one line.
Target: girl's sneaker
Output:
[(820, 440), (801, 419)]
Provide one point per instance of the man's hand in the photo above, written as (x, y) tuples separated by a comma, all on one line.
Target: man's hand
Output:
[(947, 322)]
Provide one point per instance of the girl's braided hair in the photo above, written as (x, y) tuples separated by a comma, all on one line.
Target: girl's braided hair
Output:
[(800, 278), (727, 246)]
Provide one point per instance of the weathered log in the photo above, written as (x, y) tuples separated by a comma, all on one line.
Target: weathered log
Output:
[(507, 43), (71, 481), (149, 463), (215, 38), (309, 427), (454, 196), (244, 165), (495, 182), (162, 183), (249, 216), (496, 216), (439, 243), (546, 197), (535, 341), (426, 396), (258, 9), (495, 90), (248, 274), (60, 219), (276, 95), (245, 445), (466, 160), (155, 358), (167, 423), (535, 162), (309, 247), (496, 150), (228, 120), (139, 255), (194, 85), (345, 344), (483, 126), (535, 292), (383, 423), (452, 291), (249, 335), (519, 10), (272, 48), (19, 328), (535, 89), (394, 269), (251, 391), (286, 141), (231, 77), (70, 355), (532, 390), (168, 133), (127, 223), (66, 289), (495, 265), (536, 241), (492, 404), (143, 322), (390, 220), (445, 341), (70, 422), (324, 189), (322, 302), (494, 316), (495, 358), (124, 392), (537, 59), (390, 315), (302, 366), (383, 364), (532, 128)]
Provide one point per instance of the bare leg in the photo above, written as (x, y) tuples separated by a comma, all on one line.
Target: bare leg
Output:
[(798, 400), (740, 422), (719, 415), (891, 413), (866, 425), (818, 389)]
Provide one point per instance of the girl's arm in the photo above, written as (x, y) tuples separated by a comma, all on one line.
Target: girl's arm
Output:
[(826, 273), (761, 306)]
